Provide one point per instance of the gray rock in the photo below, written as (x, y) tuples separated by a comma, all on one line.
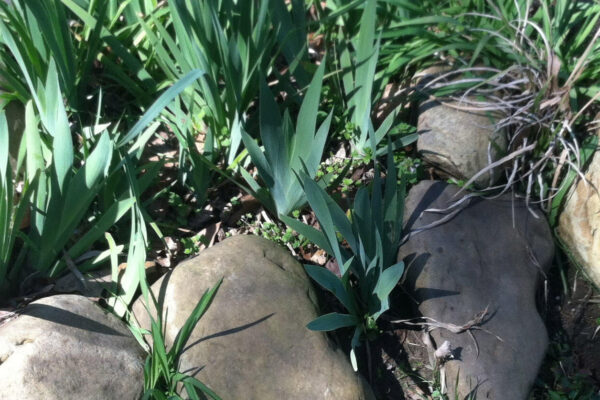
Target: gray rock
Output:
[(457, 141), (252, 343), (66, 347), (490, 254)]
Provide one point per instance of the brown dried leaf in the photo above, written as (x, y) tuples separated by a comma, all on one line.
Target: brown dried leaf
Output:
[(319, 257)]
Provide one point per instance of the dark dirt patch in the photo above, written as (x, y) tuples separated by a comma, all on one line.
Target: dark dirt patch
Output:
[(571, 369), (401, 369)]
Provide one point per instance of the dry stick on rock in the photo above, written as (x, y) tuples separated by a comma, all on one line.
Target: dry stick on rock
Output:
[(431, 225), (496, 164), (432, 324), (73, 268), (461, 204)]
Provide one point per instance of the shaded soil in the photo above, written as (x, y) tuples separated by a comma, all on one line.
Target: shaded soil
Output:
[(571, 369)]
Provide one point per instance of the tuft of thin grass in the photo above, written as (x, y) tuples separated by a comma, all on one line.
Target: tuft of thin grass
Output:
[(536, 76)]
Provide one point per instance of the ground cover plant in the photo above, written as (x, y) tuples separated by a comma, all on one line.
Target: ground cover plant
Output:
[(373, 235), (138, 122)]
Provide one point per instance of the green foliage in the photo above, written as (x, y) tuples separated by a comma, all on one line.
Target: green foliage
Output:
[(564, 379), (372, 234), (182, 210), (61, 192), (134, 275), (62, 182), (125, 65), (588, 148), (12, 213), (37, 33), (556, 42), (79, 177), (533, 65), (360, 75), (191, 245), (234, 42), (274, 231), (286, 151), (357, 75), (33, 31), (410, 167), (161, 370)]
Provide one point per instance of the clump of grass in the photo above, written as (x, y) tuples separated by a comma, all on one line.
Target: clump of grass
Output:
[(533, 68), (161, 370)]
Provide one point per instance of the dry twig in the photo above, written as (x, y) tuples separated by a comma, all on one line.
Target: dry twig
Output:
[(431, 324)]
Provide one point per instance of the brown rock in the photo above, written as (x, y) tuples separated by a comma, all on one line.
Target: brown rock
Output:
[(579, 222), (456, 141), (253, 343)]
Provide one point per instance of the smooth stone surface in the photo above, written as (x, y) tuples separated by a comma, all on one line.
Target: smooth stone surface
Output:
[(66, 347), (579, 221), (457, 141), (475, 260), (253, 343)]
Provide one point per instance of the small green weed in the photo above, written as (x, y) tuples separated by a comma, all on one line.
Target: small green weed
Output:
[(274, 232), (182, 209), (339, 170), (411, 168), (191, 245)]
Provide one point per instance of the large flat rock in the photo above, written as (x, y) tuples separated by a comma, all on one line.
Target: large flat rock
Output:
[(253, 342), (66, 347), (491, 254)]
